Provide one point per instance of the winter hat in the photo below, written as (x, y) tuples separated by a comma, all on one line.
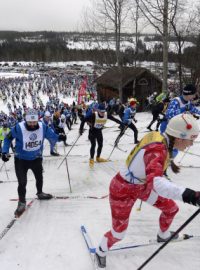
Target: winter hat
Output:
[(101, 108), (62, 116), (47, 114), (183, 126), (132, 102), (31, 115), (189, 89)]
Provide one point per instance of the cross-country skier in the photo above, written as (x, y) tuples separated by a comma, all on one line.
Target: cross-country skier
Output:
[(96, 121), (48, 121), (128, 117), (157, 110), (180, 105), (142, 178), (29, 136)]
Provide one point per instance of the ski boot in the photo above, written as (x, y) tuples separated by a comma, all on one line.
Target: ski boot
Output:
[(66, 144), (101, 261), (99, 159), (20, 209), (44, 196), (54, 154), (149, 128), (91, 163), (162, 239)]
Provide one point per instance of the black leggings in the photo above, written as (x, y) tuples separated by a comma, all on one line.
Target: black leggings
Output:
[(21, 168), (155, 118), (95, 135)]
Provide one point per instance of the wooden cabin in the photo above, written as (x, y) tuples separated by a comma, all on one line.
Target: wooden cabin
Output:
[(135, 82)]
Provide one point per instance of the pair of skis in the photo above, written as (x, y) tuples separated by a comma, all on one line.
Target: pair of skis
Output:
[(152, 242)]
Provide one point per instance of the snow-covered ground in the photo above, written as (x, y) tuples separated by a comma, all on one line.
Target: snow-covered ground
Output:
[(7, 75), (48, 237), (94, 44)]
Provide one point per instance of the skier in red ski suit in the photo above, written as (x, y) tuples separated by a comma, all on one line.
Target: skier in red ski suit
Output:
[(143, 178)]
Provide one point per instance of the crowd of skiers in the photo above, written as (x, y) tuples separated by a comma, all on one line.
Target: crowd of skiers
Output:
[(143, 176)]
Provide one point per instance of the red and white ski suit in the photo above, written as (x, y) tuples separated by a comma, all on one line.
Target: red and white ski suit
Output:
[(156, 190)]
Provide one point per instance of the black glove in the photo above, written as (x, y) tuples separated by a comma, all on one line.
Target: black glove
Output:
[(62, 137), (80, 131), (192, 197), (5, 157), (196, 116)]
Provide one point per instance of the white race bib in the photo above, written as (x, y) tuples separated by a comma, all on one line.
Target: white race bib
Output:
[(32, 140)]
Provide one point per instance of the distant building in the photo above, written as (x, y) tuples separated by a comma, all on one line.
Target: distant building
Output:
[(135, 82)]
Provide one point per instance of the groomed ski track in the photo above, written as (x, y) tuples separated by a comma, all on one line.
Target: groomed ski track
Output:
[(48, 237)]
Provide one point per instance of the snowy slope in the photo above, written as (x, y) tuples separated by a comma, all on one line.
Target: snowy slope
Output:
[(47, 236)]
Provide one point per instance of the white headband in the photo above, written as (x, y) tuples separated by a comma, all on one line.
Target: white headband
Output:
[(31, 118)]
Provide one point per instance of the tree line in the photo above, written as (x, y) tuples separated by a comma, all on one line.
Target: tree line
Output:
[(51, 46)]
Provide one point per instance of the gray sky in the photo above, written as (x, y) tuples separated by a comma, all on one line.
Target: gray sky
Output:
[(35, 15)]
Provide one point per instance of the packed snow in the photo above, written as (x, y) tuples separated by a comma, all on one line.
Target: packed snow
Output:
[(48, 237)]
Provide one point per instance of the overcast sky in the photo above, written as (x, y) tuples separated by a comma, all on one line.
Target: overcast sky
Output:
[(36, 15)]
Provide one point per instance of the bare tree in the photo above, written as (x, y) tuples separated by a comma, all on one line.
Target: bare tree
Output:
[(157, 12), (182, 23), (114, 14), (136, 16), (109, 16)]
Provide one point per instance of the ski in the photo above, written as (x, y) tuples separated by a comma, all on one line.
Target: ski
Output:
[(108, 160), (13, 220), (117, 147), (63, 155), (90, 247), (120, 149), (69, 197), (123, 134), (192, 154), (48, 156), (105, 127), (189, 166), (11, 181), (151, 242), (118, 247)]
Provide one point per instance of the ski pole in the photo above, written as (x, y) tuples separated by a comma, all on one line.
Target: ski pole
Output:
[(70, 188), (69, 151), (186, 152), (2, 166), (117, 140), (6, 170), (169, 240)]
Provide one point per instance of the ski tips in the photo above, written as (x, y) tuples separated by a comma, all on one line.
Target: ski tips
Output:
[(187, 236)]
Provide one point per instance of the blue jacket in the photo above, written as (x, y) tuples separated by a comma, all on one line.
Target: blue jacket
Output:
[(29, 144), (178, 106), (129, 114)]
